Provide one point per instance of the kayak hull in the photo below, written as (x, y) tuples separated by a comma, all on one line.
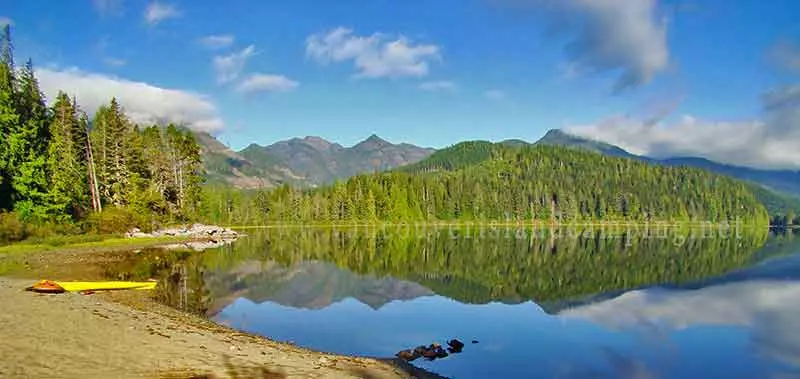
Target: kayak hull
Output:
[(49, 286)]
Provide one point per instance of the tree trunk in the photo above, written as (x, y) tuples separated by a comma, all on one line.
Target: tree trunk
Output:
[(93, 188)]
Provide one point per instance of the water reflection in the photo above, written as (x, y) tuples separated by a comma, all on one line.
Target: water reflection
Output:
[(310, 285), (758, 317), (484, 265), (555, 304), (767, 304)]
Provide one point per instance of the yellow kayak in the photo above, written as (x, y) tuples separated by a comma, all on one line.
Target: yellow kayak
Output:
[(59, 287)]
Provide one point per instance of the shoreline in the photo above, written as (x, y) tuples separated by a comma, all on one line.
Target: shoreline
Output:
[(106, 243), (131, 240), (106, 334), (502, 224)]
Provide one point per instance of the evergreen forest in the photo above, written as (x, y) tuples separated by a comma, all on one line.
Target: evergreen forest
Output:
[(60, 170), (510, 184)]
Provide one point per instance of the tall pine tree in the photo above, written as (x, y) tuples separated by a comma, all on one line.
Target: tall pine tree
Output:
[(9, 118), (28, 142), (67, 160)]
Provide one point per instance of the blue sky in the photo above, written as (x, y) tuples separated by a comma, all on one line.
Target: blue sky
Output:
[(435, 72)]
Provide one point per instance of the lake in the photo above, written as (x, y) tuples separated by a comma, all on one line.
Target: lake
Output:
[(578, 302)]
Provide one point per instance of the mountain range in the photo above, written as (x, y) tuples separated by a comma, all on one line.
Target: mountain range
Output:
[(313, 161), (305, 162)]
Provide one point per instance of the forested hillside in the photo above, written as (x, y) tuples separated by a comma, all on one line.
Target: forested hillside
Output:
[(57, 167), (541, 182), (779, 190)]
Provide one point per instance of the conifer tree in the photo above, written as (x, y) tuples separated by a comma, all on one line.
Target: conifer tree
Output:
[(111, 129), (9, 118), (66, 160), (27, 154)]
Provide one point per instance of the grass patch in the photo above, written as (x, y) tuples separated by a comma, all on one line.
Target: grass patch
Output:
[(86, 242), (14, 258)]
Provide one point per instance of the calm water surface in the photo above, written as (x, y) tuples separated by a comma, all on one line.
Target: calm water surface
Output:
[(540, 303)]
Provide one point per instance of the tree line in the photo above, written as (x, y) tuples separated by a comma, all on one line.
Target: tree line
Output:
[(546, 183), (59, 167)]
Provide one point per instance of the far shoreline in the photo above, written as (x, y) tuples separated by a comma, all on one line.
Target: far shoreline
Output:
[(541, 224)]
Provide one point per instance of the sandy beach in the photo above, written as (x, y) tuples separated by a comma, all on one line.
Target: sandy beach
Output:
[(127, 334), (123, 334)]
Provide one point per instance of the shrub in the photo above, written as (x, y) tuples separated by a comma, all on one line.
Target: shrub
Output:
[(11, 228), (112, 221)]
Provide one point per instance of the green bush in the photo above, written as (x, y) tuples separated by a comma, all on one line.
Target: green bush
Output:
[(11, 228), (112, 221), (14, 229)]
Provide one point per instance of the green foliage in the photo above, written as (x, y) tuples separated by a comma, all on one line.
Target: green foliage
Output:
[(59, 240), (484, 182), (14, 228), (112, 220), (66, 160), (11, 228), (455, 157), (777, 205), (56, 169)]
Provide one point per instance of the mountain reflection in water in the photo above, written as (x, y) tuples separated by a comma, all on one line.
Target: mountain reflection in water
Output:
[(615, 305)]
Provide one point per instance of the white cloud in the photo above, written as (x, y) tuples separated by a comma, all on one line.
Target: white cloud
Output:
[(143, 103), (116, 62), (229, 67), (438, 86), (217, 41), (495, 94), (157, 12), (266, 83), (375, 56), (768, 143), (786, 55), (609, 35), (768, 309), (6, 21)]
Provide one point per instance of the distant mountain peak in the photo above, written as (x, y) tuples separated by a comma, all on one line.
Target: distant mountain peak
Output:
[(515, 142), (315, 139), (559, 137), (375, 139), (316, 142), (556, 133), (373, 142)]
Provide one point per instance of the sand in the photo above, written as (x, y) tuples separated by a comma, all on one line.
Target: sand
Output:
[(126, 335)]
